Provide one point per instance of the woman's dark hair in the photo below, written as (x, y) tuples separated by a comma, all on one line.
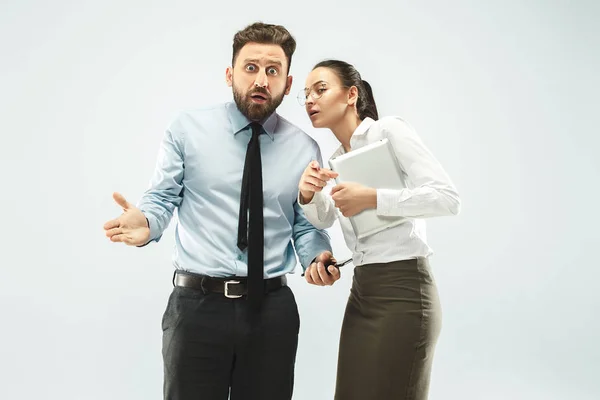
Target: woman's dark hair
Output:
[(350, 77)]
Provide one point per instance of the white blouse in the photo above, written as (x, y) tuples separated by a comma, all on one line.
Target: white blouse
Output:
[(429, 193)]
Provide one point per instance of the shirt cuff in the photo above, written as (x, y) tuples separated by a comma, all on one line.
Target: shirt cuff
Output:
[(155, 234), (387, 201), (312, 201), (311, 209), (318, 207), (309, 264)]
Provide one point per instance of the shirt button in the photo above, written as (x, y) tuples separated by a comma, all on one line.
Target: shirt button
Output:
[(240, 257)]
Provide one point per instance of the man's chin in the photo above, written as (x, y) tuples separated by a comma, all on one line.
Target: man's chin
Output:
[(257, 111), (253, 110)]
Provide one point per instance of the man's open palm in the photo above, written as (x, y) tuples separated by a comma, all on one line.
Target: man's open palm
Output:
[(131, 227)]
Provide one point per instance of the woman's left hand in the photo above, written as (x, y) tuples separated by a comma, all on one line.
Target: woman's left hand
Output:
[(352, 198)]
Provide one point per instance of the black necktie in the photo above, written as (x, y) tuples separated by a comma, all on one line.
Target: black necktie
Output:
[(251, 235)]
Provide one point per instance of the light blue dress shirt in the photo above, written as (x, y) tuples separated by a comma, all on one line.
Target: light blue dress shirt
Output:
[(199, 173)]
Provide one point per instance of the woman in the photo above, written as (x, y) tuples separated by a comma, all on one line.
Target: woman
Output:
[(393, 316)]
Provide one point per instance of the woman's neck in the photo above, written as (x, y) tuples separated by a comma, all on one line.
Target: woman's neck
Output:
[(345, 128)]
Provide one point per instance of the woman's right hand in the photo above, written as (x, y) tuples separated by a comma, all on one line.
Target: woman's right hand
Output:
[(314, 180)]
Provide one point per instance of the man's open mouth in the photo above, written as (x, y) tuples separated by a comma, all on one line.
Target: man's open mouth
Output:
[(259, 97)]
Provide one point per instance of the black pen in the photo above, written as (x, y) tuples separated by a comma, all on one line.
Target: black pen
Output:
[(337, 264), (342, 263)]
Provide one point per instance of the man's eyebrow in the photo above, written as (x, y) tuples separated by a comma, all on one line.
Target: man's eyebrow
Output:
[(268, 61), (276, 62)]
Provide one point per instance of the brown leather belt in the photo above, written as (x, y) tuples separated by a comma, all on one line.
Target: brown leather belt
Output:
[(233, 288)]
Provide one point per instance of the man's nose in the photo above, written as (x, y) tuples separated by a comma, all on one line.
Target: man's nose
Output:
[(261, 79)]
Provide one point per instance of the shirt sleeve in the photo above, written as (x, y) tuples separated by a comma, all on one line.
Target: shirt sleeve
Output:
[(431, 192), (309, 241), (165, 192), (310, 238), (320, 211)]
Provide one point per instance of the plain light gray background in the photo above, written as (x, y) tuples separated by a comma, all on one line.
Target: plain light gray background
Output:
[(503, 92)]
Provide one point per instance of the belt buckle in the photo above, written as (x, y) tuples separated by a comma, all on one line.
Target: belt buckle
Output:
[(231, 296)]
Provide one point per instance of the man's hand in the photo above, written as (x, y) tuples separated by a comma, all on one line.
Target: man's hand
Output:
[(314, 180), (316, 274), (352, 198), (131, 227)]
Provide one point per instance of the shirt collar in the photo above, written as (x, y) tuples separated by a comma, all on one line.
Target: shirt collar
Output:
[(363, 127), (360, 130), (239, 121)]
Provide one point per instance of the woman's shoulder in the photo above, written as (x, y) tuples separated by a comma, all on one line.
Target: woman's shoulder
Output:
[(392, 123)]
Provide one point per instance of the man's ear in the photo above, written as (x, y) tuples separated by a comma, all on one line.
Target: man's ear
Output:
[(288, 85), (229, 76)]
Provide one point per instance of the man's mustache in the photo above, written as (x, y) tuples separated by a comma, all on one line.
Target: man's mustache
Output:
[(262, 91)]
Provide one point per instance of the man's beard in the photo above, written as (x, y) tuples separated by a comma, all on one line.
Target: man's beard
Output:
[(254, 111)]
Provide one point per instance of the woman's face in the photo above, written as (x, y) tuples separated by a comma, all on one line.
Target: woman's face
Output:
[(327, 101)]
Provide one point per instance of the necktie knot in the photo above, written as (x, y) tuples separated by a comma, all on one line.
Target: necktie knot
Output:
[(257, 129)]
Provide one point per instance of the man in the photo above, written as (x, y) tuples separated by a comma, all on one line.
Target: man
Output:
[(231, 324)]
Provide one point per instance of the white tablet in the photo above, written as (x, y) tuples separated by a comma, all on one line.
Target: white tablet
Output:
[(374, 165)]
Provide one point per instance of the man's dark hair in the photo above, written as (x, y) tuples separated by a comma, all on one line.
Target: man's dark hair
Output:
[(259, 32)]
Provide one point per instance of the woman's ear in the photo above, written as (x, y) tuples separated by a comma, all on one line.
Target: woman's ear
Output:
[(352, 96)]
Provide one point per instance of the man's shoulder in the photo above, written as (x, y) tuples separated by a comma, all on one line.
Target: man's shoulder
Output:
[(203, 111), (193, 118), (285, 126)]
